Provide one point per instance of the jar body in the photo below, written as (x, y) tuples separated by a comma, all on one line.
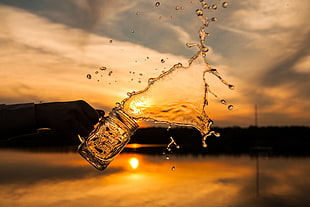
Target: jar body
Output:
[(108, 139)]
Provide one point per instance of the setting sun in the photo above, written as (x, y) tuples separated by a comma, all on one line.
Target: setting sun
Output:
[(134, 162)]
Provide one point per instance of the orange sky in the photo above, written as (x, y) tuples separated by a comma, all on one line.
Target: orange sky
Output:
[(48, 48)]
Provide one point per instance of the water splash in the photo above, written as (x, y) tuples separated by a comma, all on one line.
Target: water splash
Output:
[(175, 107), (172, 144)]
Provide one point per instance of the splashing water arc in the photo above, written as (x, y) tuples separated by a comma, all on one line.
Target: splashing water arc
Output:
[(166, 98)]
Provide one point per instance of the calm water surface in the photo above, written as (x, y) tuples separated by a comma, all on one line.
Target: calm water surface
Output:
[(65, 179)]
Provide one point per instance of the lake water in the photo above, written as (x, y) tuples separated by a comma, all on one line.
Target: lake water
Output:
[(42, 179)]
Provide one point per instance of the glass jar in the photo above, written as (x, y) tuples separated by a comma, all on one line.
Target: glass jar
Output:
[(108, 139)]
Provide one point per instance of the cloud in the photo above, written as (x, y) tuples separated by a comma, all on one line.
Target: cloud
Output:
[(302, 65), (270, 44), (50, 50), (51, 63)]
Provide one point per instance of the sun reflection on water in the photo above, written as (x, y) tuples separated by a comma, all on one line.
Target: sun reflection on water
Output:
[(134, 179), (134, 162)]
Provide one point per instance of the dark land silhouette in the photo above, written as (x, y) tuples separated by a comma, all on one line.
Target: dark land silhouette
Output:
[(292, 140)]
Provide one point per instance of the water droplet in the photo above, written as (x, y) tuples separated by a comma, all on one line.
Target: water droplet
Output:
[(178, 65), (110, 41), (157, 4), (140, 74), (231, 87), (102, 68), (178, 146), (88, 76), (168, 128), (151, 81), (205, 49), (204, 5), (162, 61), (225, 4), (199, 12), (214, 6), (132, 31), (137, 12), (213, 19), (96, 72), (204, 145), (167, 157), (173, 168), (110, 73), (191, 44), (223, 102), (230, 107)]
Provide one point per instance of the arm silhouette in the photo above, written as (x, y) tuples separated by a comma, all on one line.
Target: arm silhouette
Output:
[(68, 119)]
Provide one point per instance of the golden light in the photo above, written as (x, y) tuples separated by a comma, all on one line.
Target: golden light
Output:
[(133, 146), (134, 162), (137, 107)]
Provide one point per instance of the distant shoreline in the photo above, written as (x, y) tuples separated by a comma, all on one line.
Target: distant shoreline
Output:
[(292, 140)]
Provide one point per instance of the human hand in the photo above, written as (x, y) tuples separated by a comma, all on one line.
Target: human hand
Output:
[(67, 118)]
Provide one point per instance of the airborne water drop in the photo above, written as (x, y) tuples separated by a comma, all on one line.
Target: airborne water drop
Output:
[(103, 68), (214, 6), (225, 4), (223, 102), (199, 12), (231, 87), (213, 19)]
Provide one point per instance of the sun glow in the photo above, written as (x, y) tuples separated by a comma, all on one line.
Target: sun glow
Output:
[(134, 162), (137, 107)]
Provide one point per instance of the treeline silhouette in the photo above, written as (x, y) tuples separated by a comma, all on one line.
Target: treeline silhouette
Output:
[(293, 140)]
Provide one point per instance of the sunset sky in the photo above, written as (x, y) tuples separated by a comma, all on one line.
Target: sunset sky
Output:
[(48, 47)]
